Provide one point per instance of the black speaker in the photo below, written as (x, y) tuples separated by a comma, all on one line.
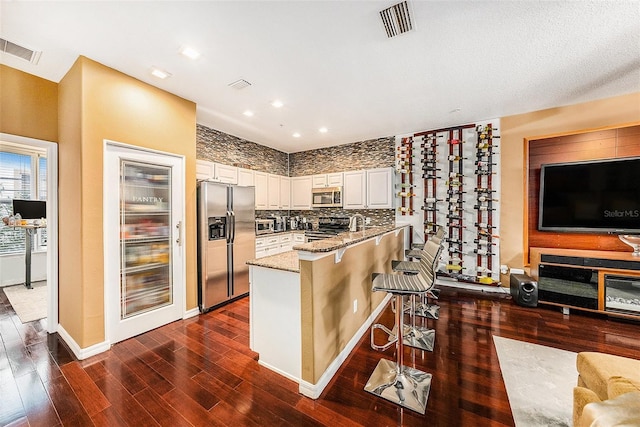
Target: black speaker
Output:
[(524, 290)]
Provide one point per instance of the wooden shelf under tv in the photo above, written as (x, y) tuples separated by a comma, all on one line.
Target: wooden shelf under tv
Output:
[(622, 264)]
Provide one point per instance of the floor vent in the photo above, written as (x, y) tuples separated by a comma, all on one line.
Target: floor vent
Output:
[(240, 84), (397, 19), (21, 52)]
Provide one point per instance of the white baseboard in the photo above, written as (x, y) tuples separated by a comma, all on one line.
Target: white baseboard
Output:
[(315, 390), (281, 372), (191, 313), (82, 353)]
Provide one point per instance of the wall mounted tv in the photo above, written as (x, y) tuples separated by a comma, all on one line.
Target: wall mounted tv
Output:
[(30, 209), (600, 196)]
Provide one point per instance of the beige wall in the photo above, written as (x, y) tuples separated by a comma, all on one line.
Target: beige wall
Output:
[(610, 112), (28, 105), (98, 103), (327, 294)]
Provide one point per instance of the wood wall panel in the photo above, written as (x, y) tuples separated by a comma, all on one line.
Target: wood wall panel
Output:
[(604, 144)]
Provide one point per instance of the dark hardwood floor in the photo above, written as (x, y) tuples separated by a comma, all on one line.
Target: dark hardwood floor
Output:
[(201, 372)]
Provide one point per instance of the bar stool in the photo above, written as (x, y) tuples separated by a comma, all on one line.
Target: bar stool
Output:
[(416, 249), (418, 336), (393, 381)]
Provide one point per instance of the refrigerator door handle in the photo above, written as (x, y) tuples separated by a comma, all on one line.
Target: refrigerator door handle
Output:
[(179, 232), (228, 228), (233, 225)]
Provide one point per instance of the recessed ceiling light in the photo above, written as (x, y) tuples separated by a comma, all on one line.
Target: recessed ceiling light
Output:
[(323, 130), (296, 135), (161, 74), (248, 113), (189, 52), (277, 103)]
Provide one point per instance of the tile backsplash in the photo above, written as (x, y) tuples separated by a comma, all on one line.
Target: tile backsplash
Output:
[(221, 147)]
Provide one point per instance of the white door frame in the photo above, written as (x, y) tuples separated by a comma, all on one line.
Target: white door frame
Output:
[(108, 298), (52, 221)]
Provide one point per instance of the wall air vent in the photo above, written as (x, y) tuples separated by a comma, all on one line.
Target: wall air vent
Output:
[(397, 19), (240, 84), (21, 52)]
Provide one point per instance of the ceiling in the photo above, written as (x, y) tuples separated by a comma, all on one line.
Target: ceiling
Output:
[(332, 65)]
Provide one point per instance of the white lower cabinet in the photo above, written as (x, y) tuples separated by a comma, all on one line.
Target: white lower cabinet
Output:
[(277, 243)]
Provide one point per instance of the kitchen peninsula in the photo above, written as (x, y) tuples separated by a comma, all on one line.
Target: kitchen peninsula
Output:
[(310, 306)]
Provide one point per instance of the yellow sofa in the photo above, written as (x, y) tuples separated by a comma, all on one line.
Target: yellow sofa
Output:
[(608, 391)]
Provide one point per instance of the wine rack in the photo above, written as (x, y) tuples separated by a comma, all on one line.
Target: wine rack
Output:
[(459, 178), (485, 203), (404, 166), (430, 177)]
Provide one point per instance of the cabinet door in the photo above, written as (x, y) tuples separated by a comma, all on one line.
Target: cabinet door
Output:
[(245, 177), (227, 174), (319, 181), (379, 188), (354, 191), (262, 197), (335, 179), (301, 192), (204, 169), (273, 191), (285, 192)]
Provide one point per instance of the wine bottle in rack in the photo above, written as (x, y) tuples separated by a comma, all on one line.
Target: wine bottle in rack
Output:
[(483, 270), (486, 199), (454, 241), (483, 242), (484, 163), (453, 267), (406, 194), (429, 168), (404, 148), (483, 208), (453, 157), (453, 182), (405, 185), (405, 155), (483, 190), (486, 232), (485, 146), (483, 225), (482, 251), (485, 172), (455, 141), (405, 209), (403, 170), (429, 224), (429, 176), (431, 200), (455, 225), (456, 217), (484, 128), (455, 175), (455, 192)]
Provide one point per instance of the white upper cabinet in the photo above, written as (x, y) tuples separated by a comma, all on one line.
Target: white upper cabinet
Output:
[(327, 180), (301, 192), (354, 190), (368, 189), (380, 188), (246, 177), (262, 196), (285, 192), (273, 192), (216, 172)]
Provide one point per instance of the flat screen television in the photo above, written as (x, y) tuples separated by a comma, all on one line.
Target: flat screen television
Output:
[(600, 196), (30, 209)]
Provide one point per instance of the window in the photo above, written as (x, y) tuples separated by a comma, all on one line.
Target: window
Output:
[(23, 175)]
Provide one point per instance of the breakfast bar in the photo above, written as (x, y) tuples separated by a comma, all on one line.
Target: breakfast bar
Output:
[(309, 307)]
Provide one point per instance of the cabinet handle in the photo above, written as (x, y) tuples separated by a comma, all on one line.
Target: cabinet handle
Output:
[(179, 227)]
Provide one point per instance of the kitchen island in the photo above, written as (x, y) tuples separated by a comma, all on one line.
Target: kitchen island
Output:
[(310, 306)]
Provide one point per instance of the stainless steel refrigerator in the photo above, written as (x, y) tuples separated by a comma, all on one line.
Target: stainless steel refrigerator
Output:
[(226, 241)]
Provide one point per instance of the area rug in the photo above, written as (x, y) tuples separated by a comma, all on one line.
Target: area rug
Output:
[(29, 304), (539, 382)]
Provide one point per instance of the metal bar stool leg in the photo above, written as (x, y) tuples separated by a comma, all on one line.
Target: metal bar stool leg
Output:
[(405, 386)]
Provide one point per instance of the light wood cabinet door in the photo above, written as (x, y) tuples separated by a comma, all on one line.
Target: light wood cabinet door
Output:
[(285, 192), (379, 188), (301, 192), (354, 190), (262, 197)]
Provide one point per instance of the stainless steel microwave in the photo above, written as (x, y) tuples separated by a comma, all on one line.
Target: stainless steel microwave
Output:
[(264, 226), (327, 197)]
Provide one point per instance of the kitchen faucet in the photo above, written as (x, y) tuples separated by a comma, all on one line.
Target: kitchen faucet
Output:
[(353, 223)]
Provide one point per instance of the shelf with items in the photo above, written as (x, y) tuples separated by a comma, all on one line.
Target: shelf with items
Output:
[(455, 204), (404, 166), (430, 177)]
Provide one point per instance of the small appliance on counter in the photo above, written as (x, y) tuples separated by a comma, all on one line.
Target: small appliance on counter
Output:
[(265, 226), (280, 223)]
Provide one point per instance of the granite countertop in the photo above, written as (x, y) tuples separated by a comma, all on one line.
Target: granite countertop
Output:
[(277, 233), (343, 240), (287, 261)]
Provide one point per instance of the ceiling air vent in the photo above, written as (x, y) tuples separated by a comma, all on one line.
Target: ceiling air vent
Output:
[(240, 84), (21, 52), (397, 19)]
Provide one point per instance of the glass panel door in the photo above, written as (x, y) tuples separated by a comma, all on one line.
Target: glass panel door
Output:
[(145, 238)]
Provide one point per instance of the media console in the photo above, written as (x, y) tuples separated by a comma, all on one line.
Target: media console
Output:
[(599, 281)]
